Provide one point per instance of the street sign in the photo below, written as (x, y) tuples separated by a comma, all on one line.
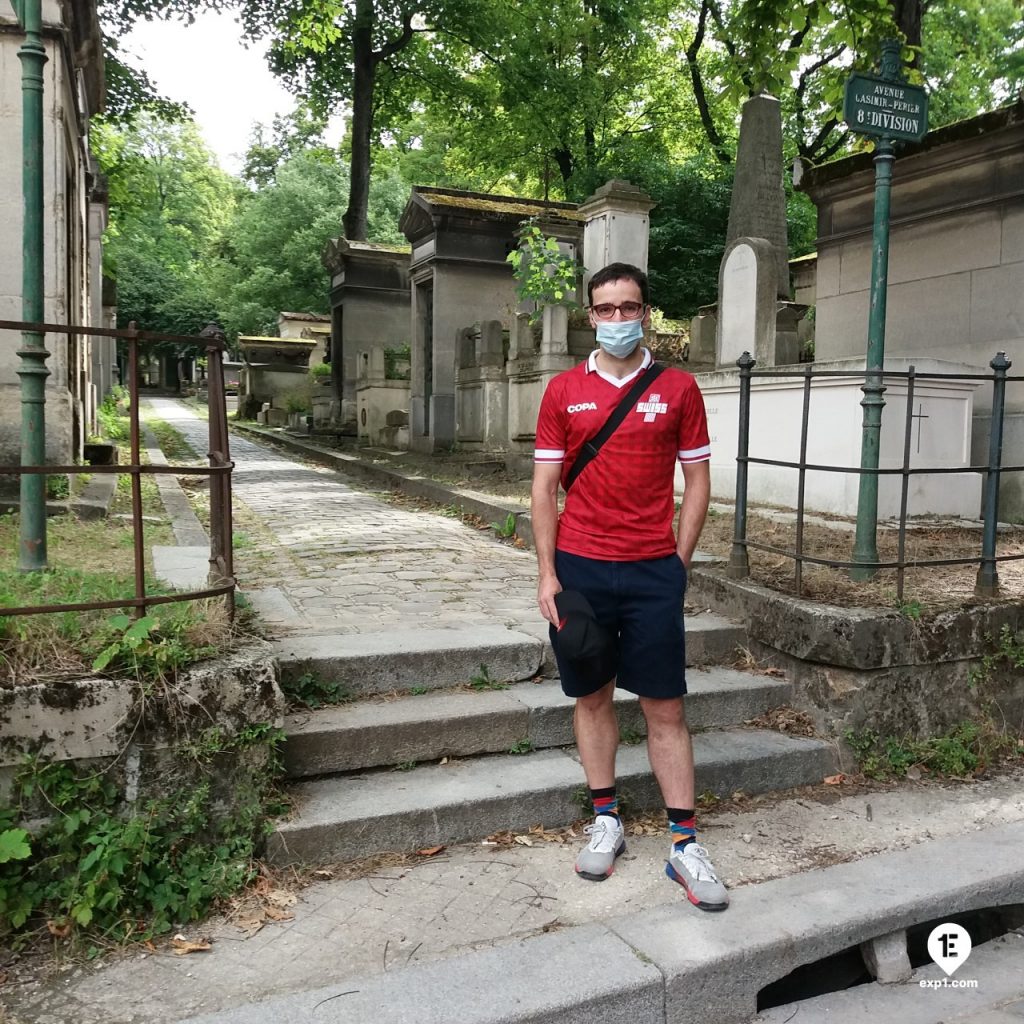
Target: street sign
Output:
[(875, 106)]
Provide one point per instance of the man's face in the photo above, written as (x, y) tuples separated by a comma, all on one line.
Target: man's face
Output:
[(616, 293)]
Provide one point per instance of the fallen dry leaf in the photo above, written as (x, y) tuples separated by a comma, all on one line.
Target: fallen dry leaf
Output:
[(524, 840), (251, 925), (429, 851), (59, 931), (149, 945), (182, 947), (778, 673), (323, 874), (279, 915), (835, 780), (280, 898)]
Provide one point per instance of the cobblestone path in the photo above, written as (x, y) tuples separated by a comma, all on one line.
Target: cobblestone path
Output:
[(315, 554)]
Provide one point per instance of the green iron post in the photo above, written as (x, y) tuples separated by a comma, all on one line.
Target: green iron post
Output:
[(865, 548), (32, 369)]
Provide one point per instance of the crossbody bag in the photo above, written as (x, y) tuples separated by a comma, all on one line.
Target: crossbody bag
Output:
[(593, 446)]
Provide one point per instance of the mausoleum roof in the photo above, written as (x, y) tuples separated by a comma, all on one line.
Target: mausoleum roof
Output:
[(316, 317), (513, 206), (259, 339)]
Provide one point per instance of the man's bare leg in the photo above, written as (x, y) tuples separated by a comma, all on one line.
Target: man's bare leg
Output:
[(597, 736), (670, 750)]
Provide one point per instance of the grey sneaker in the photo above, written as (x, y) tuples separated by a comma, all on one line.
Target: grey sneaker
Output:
[(691, 867), (597, 859)]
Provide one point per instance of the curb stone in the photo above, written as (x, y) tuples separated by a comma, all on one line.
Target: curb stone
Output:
[(672, 965)]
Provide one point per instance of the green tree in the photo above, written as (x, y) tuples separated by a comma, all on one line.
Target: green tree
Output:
[(169, 205)]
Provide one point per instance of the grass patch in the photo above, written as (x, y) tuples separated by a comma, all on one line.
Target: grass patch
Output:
[(964, 752), (171, 441)]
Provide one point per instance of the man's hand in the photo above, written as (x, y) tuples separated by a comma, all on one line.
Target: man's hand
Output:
[(547, 587)]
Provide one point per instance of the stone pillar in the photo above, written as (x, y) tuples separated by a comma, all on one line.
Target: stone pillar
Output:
[(758, 206), (616, 227)]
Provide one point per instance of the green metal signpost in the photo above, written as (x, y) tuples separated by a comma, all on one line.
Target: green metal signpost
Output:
[(887, 107), (32, 370)]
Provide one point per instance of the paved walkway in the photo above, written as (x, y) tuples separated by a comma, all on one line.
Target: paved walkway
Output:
[(316, 555)]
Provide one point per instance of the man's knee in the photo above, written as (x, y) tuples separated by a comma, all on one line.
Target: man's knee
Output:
[(599, 700), (665, 714)]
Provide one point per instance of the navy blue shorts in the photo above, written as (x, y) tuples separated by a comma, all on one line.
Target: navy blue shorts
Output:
[(642, 604)]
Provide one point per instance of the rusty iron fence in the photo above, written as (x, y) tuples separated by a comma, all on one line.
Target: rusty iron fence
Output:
[(221, 579), (987, 582)]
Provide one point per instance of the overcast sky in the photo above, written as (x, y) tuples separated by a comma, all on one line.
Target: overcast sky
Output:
[(206, 66)]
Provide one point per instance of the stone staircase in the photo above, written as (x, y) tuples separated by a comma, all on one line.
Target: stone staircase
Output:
[(437, 761)]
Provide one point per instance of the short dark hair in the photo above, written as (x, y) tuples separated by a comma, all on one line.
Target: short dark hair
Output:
[(620, 272)]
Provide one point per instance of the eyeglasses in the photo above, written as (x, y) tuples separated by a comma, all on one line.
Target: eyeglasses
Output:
[(629, 310)]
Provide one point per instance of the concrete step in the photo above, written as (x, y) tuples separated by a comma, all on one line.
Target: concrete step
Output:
[(346, 817), (368, 663), (430, 726)]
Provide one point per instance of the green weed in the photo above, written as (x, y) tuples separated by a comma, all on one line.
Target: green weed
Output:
[(311, 691), (404, 766), (417, 691), (630, 735), (91, 868), (506, 529), (1008, 653), (522, 747), (482, 680), (962, 751)]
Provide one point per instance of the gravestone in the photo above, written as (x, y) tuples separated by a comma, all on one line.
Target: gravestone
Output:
[(747, 290), (758, 205)]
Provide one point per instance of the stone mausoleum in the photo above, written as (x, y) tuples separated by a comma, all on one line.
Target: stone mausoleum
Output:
[(956, 265), (459, 273)]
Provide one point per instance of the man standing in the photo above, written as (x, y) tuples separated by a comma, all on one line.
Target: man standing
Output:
[(613, 570)]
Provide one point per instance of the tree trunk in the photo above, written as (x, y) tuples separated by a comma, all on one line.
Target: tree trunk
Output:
[(363, 68), (907, 15)]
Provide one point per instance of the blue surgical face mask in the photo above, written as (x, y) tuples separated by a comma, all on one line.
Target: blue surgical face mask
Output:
[(619, 338)]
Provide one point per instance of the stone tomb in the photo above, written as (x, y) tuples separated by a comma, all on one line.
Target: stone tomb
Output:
[(382, 402), (369, 307), (459, 275), (481, 388), (940, 437), (274, 370)]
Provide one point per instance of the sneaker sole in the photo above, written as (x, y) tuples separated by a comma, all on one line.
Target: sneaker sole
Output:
[(591, 877), (676, 877)]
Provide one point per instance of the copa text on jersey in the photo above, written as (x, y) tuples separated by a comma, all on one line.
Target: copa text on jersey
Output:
[(582, 407)]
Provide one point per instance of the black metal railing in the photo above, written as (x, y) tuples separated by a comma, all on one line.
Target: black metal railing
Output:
[(222, 577), (987, 582)]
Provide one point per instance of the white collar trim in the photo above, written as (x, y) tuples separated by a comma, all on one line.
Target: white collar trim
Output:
[(616, 381)]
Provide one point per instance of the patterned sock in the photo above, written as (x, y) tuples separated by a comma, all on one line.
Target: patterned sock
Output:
[(682, 824), (605, 802)]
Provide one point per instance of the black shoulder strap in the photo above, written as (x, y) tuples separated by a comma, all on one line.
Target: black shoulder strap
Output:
[(593, 446)]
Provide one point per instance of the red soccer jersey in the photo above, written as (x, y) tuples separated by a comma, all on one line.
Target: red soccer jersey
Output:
[(622, 506)]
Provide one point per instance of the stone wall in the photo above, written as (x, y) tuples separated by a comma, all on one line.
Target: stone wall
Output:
[(69, 233), (96, 720), (873, 668)]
